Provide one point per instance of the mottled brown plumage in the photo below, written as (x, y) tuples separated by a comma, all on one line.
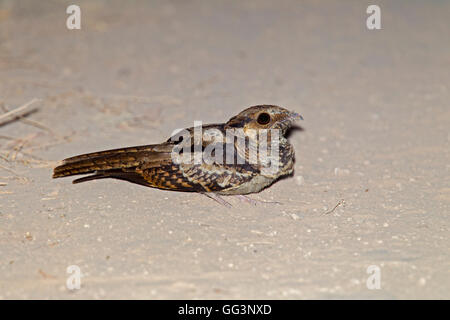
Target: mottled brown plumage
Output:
[(154, 166)]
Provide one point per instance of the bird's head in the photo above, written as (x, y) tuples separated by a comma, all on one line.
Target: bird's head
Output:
[(263, 117)]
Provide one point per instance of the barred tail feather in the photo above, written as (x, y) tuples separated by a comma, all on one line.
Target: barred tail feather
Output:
[(112, 160)]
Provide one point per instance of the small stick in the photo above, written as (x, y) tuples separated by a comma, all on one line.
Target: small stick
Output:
[(19, 109), (21, 143), (340, 202), (7, 137), (30, 122), (52, 144), (37, 125), (46, 275), (10, 170), (4, 158)]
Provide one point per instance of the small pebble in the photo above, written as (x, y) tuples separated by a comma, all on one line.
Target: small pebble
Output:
[(294, 216), (341, 172), (299, 180)]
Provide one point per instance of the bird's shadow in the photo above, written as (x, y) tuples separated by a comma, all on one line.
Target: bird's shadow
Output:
[(291, 130)]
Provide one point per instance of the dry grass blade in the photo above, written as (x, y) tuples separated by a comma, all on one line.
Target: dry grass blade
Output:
[(7, 137), (340, 202), (9, 170)]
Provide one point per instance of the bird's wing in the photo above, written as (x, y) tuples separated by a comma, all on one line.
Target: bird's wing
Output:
[(217, 177), (153, 166)]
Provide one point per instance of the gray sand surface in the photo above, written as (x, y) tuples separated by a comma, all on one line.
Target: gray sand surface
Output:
[(375, 142)]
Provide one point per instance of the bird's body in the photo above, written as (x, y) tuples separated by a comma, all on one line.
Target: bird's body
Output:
[(214, 173)]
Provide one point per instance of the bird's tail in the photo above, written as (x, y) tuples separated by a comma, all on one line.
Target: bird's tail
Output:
[(112, 160)]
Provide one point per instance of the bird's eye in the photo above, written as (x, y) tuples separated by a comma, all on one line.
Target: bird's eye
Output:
[(263, 118)]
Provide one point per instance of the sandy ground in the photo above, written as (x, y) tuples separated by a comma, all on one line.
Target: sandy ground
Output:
[(375, 140)]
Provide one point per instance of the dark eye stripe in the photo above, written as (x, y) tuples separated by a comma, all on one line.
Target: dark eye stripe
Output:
[(263, 118)]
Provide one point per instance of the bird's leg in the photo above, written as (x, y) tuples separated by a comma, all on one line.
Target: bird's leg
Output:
[(253, 201), (246, 199), (218, 199)]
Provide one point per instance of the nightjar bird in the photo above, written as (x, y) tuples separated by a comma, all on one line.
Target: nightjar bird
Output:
[(239, 157)]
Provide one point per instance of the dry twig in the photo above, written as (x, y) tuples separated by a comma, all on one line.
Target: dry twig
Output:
[(19, 110), (340, 202)]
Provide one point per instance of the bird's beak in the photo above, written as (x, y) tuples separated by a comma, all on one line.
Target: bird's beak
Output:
[(295, 116)]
